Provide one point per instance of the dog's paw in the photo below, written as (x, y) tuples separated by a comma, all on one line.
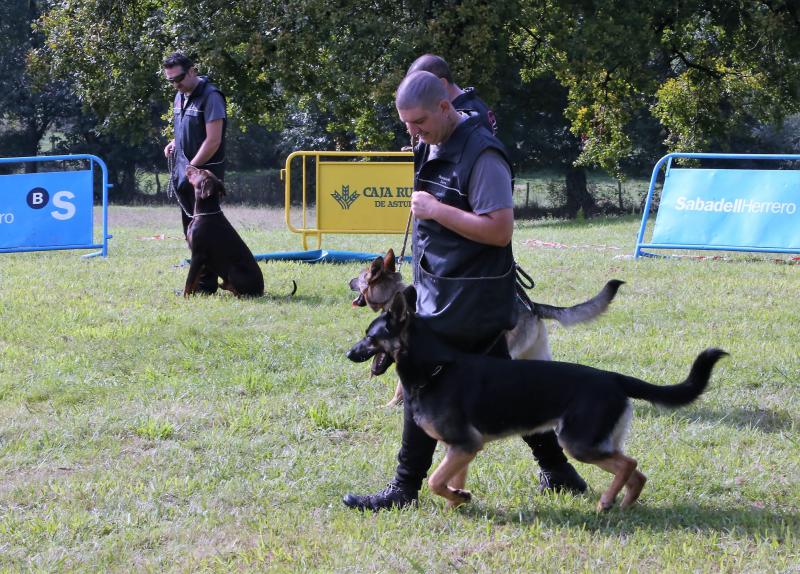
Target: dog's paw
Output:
[(605, 505), (464, 495), (398, 397)]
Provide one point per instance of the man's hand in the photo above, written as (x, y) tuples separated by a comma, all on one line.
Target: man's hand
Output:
[(169, 149), (210, 145), (493, 228), (424, 205)]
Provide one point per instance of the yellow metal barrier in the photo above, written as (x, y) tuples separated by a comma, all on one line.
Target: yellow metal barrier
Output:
[(356, 196)]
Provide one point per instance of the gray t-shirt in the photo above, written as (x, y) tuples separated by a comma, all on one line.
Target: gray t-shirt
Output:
[(490, 186), (490, 183), (215, 107)]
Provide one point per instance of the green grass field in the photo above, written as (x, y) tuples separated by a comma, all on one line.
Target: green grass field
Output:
[(140, 431)]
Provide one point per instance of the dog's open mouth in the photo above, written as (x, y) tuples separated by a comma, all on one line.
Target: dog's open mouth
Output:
[(380, 363), (360, 301)]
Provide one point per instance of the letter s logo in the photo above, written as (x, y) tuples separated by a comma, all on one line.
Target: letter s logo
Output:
[(60, 200)]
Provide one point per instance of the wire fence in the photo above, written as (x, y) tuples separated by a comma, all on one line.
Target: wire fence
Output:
[(548, 192), (537, 192)]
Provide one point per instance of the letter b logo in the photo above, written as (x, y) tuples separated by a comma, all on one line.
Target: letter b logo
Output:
[(38, 198)]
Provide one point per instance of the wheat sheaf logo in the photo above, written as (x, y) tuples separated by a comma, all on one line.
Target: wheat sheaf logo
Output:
[(345, 198)]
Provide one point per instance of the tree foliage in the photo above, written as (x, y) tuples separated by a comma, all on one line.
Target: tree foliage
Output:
[(273, 58), (705, 69), (30, 103)]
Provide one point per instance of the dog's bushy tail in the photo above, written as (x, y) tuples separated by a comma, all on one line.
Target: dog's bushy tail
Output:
[(682, 393), (581, 312)]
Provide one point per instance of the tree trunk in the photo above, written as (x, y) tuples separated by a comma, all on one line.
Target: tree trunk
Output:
[(578, 198), (128, 183), (30, 137)]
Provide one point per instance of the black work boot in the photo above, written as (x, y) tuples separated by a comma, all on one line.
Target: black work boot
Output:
[(393, 496), (562, 477), (556, 473)]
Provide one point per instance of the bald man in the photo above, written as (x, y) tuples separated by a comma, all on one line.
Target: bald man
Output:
[(556, 472), (463, 222)]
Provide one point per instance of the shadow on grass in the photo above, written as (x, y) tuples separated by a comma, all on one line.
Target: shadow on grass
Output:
[(271, 295), (743, 418), (680, 516)]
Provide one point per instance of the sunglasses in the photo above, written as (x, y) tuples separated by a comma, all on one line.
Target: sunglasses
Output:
[(177, 79)]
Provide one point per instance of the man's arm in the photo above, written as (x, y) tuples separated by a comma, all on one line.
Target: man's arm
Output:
[(210, 145), (493, 228), (491, 220)]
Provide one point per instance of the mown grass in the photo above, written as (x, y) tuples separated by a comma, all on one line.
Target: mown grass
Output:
[(142, 431)]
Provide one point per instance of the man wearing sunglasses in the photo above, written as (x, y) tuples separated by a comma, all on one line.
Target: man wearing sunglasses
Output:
[(199, 121)]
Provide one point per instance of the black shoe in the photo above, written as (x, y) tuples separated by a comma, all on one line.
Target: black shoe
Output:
[(393, 496), (560, 478)]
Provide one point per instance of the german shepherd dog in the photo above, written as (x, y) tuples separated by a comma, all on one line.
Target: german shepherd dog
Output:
[(377, 284), (466, 400)]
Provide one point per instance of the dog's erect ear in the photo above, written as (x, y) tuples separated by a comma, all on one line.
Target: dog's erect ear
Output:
[(375, 268), (410, 295), (388, 261), (398, 308)]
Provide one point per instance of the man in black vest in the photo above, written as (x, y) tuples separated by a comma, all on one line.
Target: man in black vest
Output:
[(463, 222), (199, 124), (557, 473)]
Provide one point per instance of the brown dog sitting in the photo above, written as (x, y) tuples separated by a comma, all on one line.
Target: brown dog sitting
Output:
[(215, 245)]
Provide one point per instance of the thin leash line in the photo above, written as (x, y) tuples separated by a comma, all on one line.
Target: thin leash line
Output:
[(171, 191), (408, 223), (405, 242)]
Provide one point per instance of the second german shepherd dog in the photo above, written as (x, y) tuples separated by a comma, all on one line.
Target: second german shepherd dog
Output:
[(466, 400), (378, 283)]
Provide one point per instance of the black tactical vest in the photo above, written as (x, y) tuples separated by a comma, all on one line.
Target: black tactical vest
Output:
[(465, 289), (469, 103)]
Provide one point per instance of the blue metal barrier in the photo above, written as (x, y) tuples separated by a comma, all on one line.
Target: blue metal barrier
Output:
[(71, 223), (724, 209)]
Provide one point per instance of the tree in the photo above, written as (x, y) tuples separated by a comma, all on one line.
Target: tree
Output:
[(706, 69), (341, 59), (31, 103)]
